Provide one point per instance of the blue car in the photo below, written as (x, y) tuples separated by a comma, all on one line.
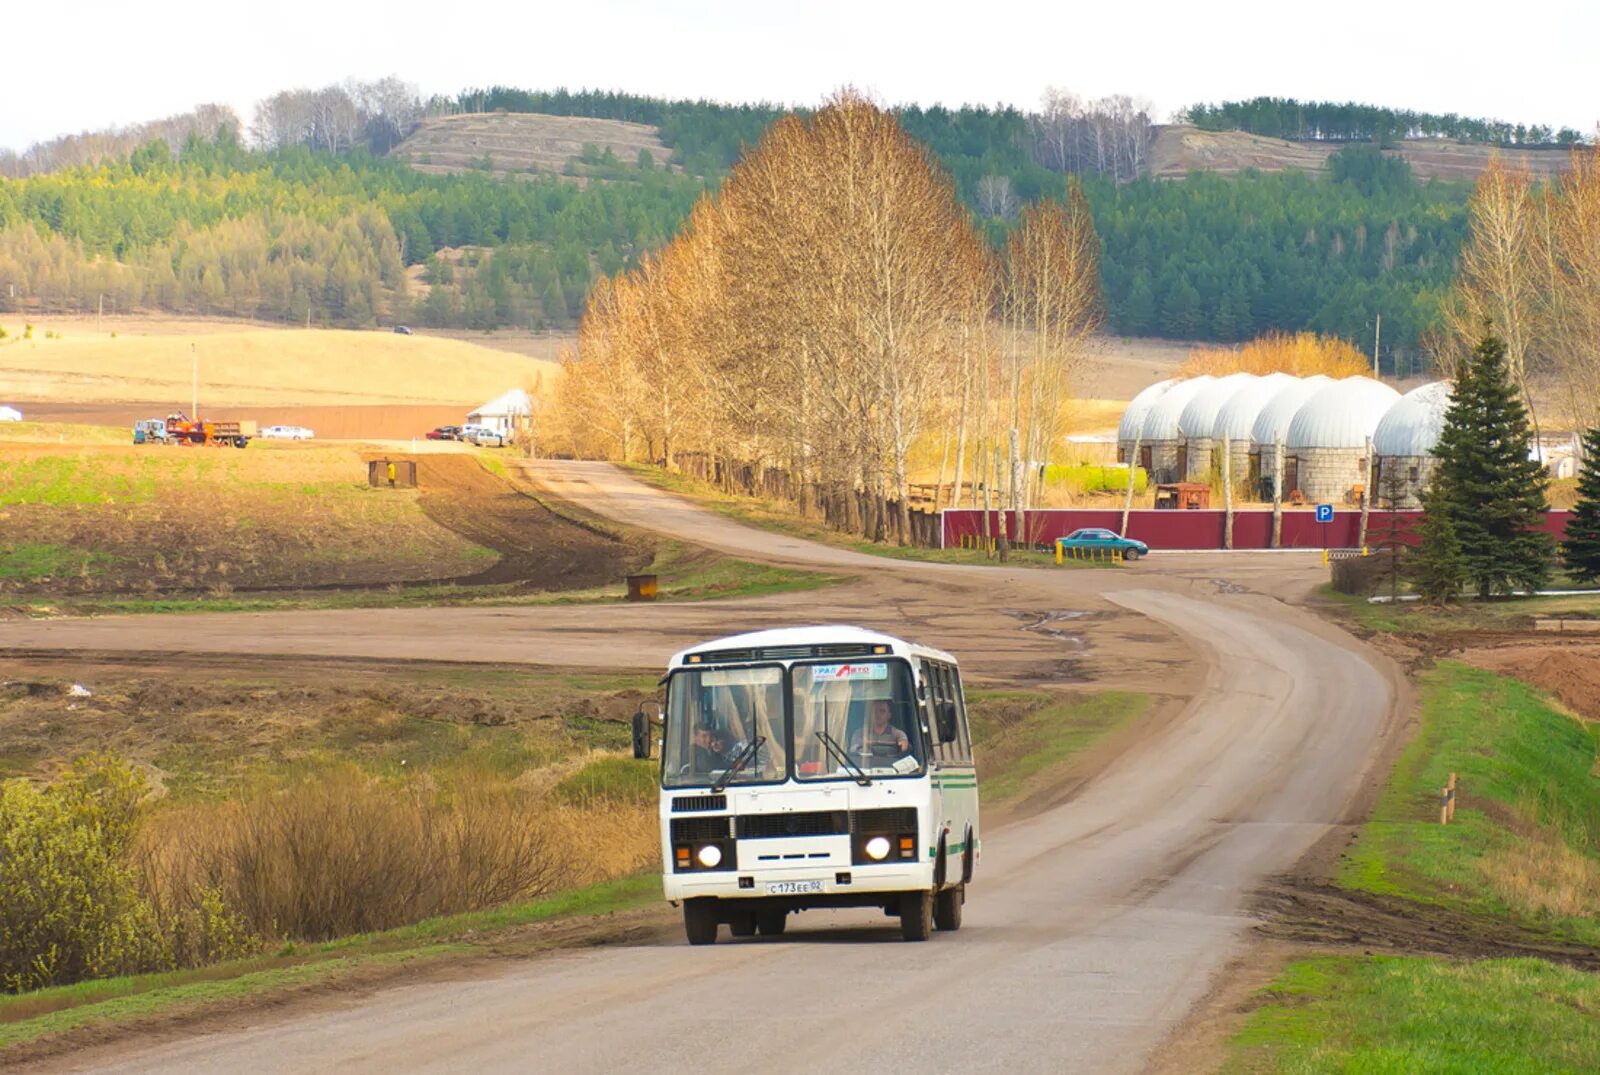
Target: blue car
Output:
[(1096, 542)]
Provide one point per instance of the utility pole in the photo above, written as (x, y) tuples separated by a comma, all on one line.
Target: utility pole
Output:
[(1377, 334)]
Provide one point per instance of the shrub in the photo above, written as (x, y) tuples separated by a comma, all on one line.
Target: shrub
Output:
[(610, 780), (1094, 478), (345, 853), (70, 906)]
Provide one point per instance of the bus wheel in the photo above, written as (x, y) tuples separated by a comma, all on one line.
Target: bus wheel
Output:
[(700, 921), (743, 924), (947, 908), (916, 915), (772, 923)]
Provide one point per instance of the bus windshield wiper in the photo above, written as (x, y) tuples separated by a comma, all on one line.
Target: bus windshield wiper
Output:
[(739, 763), (844, 759)]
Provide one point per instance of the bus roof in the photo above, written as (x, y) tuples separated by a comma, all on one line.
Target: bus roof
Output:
[(793, 637)]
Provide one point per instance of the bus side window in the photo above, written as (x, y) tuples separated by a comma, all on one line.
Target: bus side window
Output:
[(933, 690), (965, 733)]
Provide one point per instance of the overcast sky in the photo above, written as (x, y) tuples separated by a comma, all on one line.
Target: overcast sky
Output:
[(88, 64)]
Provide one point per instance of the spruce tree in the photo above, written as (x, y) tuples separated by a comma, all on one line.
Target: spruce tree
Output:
[(1581, 549), (1439, 568), (1488, 480)]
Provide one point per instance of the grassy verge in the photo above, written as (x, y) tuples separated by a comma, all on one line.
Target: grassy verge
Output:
[(779, 517), (1402, 1014), (1525, 843), (1023, 738), (31, 1016), (1496, 614), (685, 573)]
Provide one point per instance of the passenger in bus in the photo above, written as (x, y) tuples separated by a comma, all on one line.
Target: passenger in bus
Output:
[(880, 738), (707, 758)]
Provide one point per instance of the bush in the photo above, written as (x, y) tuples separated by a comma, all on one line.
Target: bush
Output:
[(345, 853), (70, 905), (1094, 478), (610, 780)]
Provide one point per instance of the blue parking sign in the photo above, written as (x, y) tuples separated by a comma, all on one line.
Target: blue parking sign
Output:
[(1324, 513)]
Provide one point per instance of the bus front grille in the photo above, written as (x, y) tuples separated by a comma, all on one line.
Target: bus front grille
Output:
[(892, 820), (812, 823), (685, 804), (690, 829)]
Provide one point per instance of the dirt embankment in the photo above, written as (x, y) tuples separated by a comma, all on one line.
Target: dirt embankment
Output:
[(1179, 149), (1570, 672), (538, 546)]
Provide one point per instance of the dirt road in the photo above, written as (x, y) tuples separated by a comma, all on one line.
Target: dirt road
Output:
[(1091, 930)]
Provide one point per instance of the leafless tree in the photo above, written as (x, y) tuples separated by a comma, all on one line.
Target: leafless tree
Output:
[(995, 198)]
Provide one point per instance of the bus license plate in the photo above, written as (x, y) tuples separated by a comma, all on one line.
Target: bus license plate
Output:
[(792, 888)]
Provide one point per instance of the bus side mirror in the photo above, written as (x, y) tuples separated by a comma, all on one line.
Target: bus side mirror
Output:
[(641, 735), (946, 716)]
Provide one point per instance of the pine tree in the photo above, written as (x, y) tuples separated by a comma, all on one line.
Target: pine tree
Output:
[(1488, 480), (1581, 549), (1439, 568)]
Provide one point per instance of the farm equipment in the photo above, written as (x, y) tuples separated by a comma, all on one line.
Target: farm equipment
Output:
[(180, 429)]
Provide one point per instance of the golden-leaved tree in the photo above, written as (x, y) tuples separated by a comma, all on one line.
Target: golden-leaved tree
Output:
[(821, 312)]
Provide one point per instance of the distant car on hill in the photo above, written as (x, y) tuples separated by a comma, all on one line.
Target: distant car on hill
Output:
[(287, 433), (483, 436), (1094, 540), (402, 330), (10, 414), (445, 433)]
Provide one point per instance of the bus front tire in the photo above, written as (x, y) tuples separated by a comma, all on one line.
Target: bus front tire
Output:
[(947, 908), (700, 921), (772, 923), (916, 915)]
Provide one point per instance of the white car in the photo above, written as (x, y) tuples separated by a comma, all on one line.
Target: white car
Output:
[(484, 436), (10, 414), (287, 433)]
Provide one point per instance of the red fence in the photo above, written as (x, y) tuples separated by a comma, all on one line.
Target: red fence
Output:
[(1195, 529)]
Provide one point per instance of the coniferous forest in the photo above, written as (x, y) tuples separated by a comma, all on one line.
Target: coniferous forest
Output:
[(301, 233)]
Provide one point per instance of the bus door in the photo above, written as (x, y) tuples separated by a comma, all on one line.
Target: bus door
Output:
[(931, 699)]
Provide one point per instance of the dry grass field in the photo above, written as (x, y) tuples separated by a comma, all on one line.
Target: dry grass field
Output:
[(1179, 149), (68, 360), (512, 143)]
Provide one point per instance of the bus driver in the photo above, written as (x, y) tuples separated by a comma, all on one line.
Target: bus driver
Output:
[(880, 737)]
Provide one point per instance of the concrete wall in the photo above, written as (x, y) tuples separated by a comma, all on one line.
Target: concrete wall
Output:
[(1164, 455), (1326, 475), (1411, 488)]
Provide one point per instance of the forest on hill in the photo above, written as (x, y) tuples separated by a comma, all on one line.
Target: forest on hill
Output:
[(1347, 121), (310, 223)]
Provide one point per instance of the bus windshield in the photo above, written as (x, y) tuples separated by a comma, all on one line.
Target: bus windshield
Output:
[(714, 716), (856, 717)]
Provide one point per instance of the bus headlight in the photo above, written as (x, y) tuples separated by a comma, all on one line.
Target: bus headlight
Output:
[(710, 856), (878, 848)]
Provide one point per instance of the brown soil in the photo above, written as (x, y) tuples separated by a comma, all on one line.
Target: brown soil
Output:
[(1178, 149), (1309, 912), (515, 142), (538, 546), (1570, 672)]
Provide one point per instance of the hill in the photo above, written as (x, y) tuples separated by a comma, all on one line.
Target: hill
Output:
[(1178, 149), (505, 144)]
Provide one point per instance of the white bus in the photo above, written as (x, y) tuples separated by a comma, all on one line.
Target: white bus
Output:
[(815, 767)]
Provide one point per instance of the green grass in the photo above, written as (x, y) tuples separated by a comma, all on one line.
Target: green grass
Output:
[(1407, 1015), (1527, 783), (28, 561), (1022, 738), (110, 1001), (779, 517), (610, 780), (1495, 614)]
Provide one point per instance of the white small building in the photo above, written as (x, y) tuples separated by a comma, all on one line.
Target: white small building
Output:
[(504, 414), (1404, 442)]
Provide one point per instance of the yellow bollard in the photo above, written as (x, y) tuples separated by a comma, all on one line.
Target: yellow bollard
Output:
[(1059, 560)]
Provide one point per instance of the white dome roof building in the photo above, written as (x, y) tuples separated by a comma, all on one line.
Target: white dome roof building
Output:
[(1237, 417), (1404, 443), (1271, 424), (1161, 448), (1132, 425), (1198, 420), (1328, 438)]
